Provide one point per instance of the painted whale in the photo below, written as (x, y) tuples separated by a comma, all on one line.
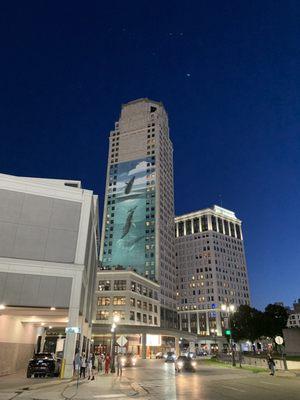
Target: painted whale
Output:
[(130, 244), (128, 224), (129, 185)]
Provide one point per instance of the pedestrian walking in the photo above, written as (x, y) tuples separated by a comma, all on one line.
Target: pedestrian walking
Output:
[(90, 368), (77, 364), (107, 363), (271, 364), (119, 364), (100, 362), (83, 365)]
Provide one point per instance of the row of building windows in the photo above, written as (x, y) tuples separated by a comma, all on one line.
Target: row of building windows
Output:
[(121, 301), (201, 223), (121, 284)]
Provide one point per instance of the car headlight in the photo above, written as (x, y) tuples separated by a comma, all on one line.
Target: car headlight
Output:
[(123, 359), (180, 364), (193, 363)]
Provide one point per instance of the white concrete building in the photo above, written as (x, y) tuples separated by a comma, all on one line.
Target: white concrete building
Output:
[(125, 293), (138, 219), (211, 269), (294, 316), (48, 258)]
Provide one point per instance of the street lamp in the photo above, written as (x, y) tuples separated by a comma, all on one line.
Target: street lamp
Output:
[(116, 319), (230, 309)]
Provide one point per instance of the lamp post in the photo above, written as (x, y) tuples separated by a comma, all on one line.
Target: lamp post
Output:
[(116, 319), (230, 309)]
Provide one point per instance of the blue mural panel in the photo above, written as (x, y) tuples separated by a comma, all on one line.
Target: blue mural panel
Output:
[(130, 228)]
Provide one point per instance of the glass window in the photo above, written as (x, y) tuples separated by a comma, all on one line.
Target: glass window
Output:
[(180, 228), (102, 315), (196, 225), (150, 307), (145, 305), (120, 285), (103, 301), (139, 304), (155, 308), (131, 316), (138, 317), (204, 224), (150, 319), (144, 318), (132, 302), (104, 285), (214, 223), (226, 227), (232, 229), (188, 227), (155, 320), (238, 231), (220, 223), (119, 301), (133, 286), (120, 313)]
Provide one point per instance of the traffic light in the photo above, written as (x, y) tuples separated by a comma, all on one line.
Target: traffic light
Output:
[(228, 332)]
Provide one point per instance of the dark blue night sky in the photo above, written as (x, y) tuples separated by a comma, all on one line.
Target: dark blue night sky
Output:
[(228, 74)]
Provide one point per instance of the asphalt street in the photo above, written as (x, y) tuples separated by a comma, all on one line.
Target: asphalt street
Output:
[(211, 383), (155, 379)]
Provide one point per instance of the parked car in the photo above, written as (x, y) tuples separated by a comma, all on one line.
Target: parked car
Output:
[(170, 357), (184, 363), (43, 364), (129, 360)]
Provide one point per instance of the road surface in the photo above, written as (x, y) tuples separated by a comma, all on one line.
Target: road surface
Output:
[(211, 382), (157, 380)]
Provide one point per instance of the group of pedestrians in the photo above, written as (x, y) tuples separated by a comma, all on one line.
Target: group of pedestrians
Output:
[(105, 360), (84, 365)]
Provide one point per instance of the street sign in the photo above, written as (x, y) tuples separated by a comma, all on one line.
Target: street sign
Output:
[(72, 329), (279, 340), (122, 341)]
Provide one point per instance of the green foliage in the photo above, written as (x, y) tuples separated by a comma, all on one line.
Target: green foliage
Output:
[(248, 323), (275, 320)]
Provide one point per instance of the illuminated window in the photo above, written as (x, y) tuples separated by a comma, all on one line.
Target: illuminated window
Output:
[(120, 285), (119, 301), (103, 301), (104, 285), (102, 315)]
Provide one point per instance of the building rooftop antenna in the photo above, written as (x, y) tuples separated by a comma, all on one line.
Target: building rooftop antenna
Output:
[(220, 200)]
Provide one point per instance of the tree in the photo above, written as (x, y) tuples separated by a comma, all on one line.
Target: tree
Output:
[(275, 320), (246, 324)]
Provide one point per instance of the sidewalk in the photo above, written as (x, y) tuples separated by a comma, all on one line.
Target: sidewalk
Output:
[(103, 387), (19, 380)]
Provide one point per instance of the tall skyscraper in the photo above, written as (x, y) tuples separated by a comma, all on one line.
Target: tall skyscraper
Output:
[(211, 269), (138, 219)]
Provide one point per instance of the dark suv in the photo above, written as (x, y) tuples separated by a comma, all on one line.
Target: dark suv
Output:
[(43, 364)]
